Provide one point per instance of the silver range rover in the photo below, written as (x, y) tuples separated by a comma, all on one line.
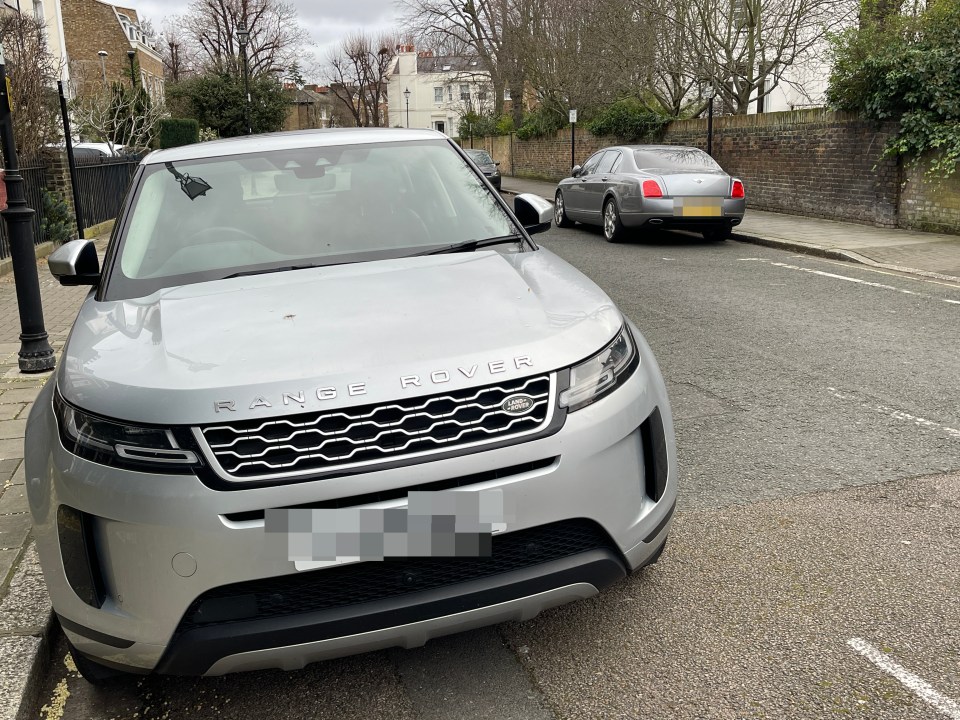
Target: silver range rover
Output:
[(291, 339)]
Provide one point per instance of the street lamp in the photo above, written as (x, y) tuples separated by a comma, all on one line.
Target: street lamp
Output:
[(406, 95), (35, 354), (103, 66), (709, 94), (243, 35), (131, 54)]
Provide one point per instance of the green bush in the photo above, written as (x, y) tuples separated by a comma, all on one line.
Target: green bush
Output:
[(906, 69), (175, 132), (484, 125), (540, 122), (219, 102), (57, 221), (629, 120)]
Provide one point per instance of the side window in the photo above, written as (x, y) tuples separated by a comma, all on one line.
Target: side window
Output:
[(590, 165), (609, 158), (616, 163)]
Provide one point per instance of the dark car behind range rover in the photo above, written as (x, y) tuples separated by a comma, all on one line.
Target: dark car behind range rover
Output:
[(299, 328)]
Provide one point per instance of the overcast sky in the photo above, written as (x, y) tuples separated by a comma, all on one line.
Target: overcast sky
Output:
[(327, 21)]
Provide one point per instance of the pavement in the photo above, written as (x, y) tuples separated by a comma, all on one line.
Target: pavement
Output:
[(25, 612), (919, 253)]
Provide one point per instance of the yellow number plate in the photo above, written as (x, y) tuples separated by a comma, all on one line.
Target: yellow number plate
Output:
[(698, 207)]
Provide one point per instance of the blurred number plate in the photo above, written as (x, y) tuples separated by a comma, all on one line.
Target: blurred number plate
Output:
[(698, 207)]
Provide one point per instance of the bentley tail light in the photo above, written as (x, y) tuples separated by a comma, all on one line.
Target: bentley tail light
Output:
[(737, 193), (651, 189)]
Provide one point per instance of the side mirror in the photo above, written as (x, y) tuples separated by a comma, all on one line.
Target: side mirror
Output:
[(75, 263), (497, 164), (533, 212), (576, 171)]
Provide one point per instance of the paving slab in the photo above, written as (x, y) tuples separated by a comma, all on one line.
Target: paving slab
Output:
[(14, 530), (26, 609), (12, 429), (13, 500)]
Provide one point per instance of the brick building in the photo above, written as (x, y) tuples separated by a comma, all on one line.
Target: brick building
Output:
[(92, 26)]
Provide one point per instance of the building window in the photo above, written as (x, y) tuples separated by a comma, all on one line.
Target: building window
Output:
[(506, 94), (450, 93), (465, 93), (438, 94)]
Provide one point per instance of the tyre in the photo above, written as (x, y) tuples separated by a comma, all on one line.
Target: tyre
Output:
[(717, 234), (91, 671), (560, 212), (613, 229)]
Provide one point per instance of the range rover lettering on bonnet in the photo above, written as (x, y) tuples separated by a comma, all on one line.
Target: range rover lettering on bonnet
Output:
[(435, 377)]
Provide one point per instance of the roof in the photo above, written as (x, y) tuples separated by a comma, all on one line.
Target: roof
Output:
[(289, 141), (446, 64)]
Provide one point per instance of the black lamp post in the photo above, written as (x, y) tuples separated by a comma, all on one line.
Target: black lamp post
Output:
[(406, 96), (710, 93), (131, 54), (243, 35), (35, 354)]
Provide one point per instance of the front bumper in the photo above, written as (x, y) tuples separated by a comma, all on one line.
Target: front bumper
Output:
[(161, 542)]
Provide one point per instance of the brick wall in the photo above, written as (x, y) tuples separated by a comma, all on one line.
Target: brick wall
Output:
[(931, 205), (806, 162), (58, 180)]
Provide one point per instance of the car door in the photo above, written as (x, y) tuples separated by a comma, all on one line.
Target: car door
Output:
[(574, 196), (597, 184)]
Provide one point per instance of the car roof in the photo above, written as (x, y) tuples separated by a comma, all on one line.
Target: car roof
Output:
[(289, 141)]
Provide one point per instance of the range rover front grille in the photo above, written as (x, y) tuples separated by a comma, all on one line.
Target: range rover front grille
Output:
[(317, 442)]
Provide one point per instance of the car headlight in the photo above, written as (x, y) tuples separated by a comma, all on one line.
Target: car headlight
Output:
[(594, 378), (118, 444)]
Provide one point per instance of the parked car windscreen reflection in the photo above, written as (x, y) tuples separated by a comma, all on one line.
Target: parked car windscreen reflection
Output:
[(214, 218)]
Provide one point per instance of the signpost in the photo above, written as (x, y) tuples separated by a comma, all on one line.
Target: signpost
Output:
[(573, 137)]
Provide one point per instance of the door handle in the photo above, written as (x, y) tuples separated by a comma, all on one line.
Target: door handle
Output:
[(603, 179)]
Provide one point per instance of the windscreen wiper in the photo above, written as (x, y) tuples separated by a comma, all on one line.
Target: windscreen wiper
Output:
[(283, 268), (471, 245)]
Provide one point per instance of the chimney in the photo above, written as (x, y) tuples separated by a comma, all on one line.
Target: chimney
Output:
[(425, 54)]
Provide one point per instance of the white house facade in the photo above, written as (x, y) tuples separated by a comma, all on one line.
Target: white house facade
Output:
[(442, 89)]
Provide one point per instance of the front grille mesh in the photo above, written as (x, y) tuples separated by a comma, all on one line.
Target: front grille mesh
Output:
[(320, 441), (348, 585)]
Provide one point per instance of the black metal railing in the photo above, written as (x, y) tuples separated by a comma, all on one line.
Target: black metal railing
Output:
[(34, 181), (102, 184)]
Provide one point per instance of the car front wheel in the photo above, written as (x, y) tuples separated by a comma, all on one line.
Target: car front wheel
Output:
[(613, 229), (560, 212)]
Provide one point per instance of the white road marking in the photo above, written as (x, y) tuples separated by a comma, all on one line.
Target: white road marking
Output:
[(847, 278), (920, 687), (901, 415)]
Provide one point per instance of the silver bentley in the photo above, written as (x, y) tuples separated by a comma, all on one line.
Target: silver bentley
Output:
[(647, 186)]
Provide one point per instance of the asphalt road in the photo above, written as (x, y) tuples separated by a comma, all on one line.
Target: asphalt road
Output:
[(812, 571)]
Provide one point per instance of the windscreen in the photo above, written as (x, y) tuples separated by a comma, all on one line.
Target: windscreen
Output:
[(480, 157), (682, 158), (208, 219)]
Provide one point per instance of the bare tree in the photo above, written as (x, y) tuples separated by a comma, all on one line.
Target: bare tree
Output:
[(742, 47), (118, 117), (33, 76), (494, 31), (358, 76), (275, 34), (177, 51), (582, 55)]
